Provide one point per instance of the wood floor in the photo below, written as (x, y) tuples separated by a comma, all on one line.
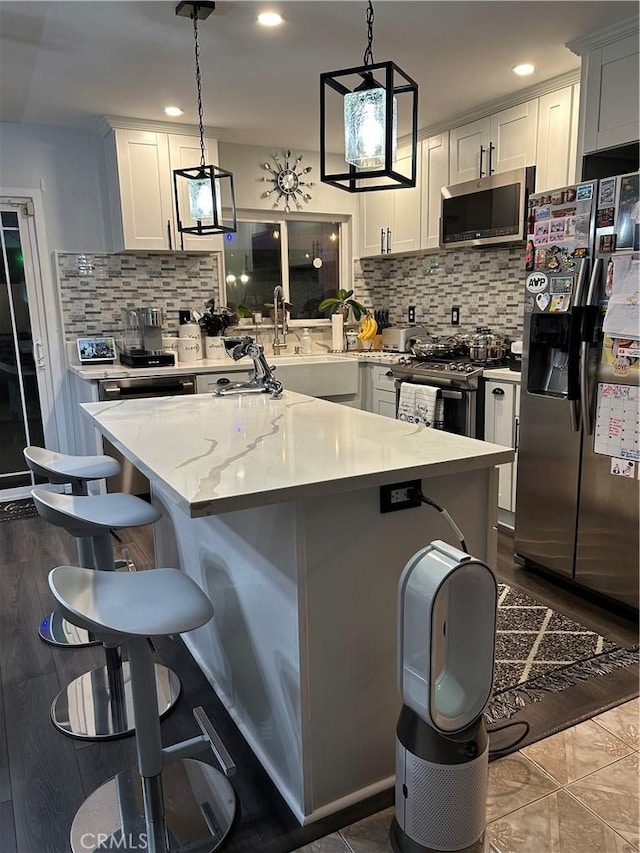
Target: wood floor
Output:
[(44, 776)]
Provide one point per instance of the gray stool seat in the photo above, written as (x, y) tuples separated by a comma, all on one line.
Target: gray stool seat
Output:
[(110, 713), (66, 468), (173, 802), (78, 513), (76, 471), (142, 604)]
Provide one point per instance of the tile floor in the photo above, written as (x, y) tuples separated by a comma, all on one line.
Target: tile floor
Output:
[(574, 792)]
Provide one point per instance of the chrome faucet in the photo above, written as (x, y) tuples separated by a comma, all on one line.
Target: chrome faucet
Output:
[(262, 382), (278, 344)]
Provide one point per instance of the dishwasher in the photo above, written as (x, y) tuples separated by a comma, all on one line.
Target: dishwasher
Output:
[(130, 479)]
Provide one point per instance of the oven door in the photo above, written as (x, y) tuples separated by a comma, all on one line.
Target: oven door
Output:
[(459, 409)]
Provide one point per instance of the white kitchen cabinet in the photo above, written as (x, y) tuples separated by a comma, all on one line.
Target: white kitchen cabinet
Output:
[(383, 391), (610, 93), (502, 405), (435, 175), (557, 138), (390, 219), (140, 167), (496, 143)]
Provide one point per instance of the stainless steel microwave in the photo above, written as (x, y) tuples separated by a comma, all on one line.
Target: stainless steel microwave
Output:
[(487, 211)]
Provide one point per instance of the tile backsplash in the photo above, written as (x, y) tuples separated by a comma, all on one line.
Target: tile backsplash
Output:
[(95, 288), (487, 284)]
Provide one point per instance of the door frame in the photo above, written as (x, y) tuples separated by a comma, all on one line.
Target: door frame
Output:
[(46, 317)]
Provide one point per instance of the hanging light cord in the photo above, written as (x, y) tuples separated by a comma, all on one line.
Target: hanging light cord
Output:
[(198, 82), (368, 54)]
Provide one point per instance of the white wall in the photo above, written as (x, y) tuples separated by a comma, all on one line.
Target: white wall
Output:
[(244, 161), (66, 165)]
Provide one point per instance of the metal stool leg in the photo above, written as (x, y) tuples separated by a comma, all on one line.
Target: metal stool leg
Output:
[(186, 805)]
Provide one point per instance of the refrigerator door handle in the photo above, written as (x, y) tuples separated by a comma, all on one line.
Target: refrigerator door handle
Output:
[(593, 283), (587, 337), (584, 388), (574, 416), (581, 277)]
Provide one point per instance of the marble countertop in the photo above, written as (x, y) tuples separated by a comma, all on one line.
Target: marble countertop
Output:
[(217, 454), (502, 374)]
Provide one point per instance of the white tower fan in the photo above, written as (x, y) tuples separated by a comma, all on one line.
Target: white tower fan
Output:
[(446, 626)]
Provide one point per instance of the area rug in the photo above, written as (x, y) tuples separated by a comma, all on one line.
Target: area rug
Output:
[(551, 672), (16, 510)]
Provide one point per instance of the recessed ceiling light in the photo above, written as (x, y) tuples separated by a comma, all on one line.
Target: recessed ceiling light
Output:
[(173, 111), (524, 69), (269, 19)]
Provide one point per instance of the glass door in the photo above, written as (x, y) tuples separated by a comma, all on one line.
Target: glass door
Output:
[(21, 363)]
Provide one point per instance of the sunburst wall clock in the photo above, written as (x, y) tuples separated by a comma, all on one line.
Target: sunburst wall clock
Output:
[(288, 181)]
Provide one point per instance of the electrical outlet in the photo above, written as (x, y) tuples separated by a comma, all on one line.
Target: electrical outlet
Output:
[(400, 496), (412, 313), (455, 315)]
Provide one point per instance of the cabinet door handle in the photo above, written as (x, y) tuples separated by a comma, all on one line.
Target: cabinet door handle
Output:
[(492, 148), (499, 392), (389, 373), (169, 233), (382, 241), (388, 240), (481, 156), (516, 443)]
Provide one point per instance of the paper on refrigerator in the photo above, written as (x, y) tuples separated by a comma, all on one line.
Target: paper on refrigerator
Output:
[(622, 319)]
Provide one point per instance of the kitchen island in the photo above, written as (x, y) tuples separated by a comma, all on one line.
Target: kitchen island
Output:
[(273, 507)]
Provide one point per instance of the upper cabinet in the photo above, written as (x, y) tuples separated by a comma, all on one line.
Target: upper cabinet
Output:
[(390, 219), (557, 138), (140, 166), (609, 80), (435, 175), (496, 143)]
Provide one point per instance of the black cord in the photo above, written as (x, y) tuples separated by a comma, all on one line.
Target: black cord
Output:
[(506, 750), (417, 494)]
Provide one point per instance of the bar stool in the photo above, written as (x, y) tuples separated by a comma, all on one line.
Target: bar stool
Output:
[(63, 468), (99, 705), (170, 802)]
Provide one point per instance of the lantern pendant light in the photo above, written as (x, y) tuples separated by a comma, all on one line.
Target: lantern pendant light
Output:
[(370, 114), (204, 194)]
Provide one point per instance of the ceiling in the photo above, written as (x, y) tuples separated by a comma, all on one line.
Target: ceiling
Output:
[(67, 63)]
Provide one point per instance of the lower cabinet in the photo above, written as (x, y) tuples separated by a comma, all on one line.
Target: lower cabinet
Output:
[(501, 425), (382, 399)]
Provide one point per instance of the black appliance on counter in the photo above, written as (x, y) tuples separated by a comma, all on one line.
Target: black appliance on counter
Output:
[(143, 338)]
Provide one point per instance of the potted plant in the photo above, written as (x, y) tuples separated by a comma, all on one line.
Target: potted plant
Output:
[(342, 303)]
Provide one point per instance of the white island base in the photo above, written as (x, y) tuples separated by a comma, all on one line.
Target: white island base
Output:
[(302, 646)]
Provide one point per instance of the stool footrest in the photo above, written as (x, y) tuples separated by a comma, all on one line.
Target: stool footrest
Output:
[(217, 747)]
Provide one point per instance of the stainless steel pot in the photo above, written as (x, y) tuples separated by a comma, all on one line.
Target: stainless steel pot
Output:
[(485, 346)]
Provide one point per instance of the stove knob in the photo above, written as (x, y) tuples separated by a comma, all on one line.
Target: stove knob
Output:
[(470, 368), (452, 366)]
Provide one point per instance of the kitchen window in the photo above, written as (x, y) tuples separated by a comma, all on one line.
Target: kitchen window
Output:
[(304, 256)]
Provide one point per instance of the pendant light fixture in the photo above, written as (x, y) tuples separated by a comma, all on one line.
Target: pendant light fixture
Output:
[(377, 103), (204, 194)]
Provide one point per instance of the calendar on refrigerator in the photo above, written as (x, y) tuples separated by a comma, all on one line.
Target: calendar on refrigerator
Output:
[(617, 424)]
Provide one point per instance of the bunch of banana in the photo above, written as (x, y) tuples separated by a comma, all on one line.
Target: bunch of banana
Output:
[(368, 328)]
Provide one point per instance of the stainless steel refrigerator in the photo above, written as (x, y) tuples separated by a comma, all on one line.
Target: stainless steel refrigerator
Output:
[(577, 491)]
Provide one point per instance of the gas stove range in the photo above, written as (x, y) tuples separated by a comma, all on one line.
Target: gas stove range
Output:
[(459, 373)]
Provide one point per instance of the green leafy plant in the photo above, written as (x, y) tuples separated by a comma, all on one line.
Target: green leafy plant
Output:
[(342, 302), (243, 311)]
